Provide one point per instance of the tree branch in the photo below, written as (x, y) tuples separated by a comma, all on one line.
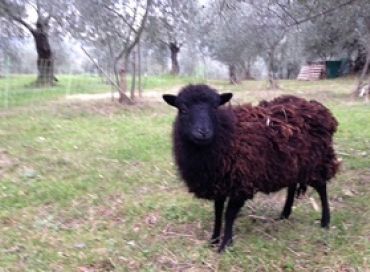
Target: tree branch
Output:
[(120, 16), (324, 12), (16, 18), (132, 23), (127, 49), (126, 98), (284, 9), (142, 25)]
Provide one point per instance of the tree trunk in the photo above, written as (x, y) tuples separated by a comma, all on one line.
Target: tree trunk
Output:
[(110, 70), (361, 79), (360, 60), (232, 74), (290, 71), (273, 84), (139, 69), (45, 60), (175, 67), (204, 66), (123, 85), (247, 70), (247, 75), (133, 77)]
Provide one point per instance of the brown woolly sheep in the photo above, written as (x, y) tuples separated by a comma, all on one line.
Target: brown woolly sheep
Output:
[(236, 152)]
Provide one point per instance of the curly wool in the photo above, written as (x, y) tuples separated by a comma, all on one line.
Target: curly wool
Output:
[(260, 148)]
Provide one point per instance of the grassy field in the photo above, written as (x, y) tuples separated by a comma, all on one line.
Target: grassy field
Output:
[(91, 186), (18, 90)]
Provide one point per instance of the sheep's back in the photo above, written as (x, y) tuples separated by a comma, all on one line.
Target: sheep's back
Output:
[(310, 115), (284, 141)]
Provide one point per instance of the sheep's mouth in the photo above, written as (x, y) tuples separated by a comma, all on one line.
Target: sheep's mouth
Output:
[(202, 141)]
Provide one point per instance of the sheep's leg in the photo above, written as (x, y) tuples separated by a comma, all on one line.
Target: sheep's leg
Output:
[(325, 217), (219, 209), (233, 207), (288, 202)]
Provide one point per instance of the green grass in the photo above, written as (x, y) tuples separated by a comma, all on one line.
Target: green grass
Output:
[(92, 185), (20, 90), (16, 90), (164, 82)]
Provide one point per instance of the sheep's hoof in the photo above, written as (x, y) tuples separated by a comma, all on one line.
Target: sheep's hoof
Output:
[(225, 245), (214, 241), (325, 225), (282, 217)]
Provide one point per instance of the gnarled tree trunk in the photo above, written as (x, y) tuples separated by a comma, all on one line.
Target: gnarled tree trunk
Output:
[(232, 74), (133, 76), (122, 84), (45, 60), (246, 69), (273, 84), (140, 87), (122, 90), (361, 79), (175, 67)]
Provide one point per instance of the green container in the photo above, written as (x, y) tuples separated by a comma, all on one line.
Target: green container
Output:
[(333, 68)]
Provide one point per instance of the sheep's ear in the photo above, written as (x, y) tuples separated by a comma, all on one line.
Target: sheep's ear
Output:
[(170, 99), (225, 97)]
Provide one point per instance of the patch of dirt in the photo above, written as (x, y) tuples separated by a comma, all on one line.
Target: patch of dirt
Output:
[(91, 97), (109, 213), (192, 232), (152, 95), (99, 266), (101, 107), (73, 108), (170, 262), (271, 204), (351, 184), (6, 162), (99, 104)]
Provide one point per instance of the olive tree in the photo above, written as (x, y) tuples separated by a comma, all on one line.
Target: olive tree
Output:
[(50, 16), (171, 22), (114, 28)]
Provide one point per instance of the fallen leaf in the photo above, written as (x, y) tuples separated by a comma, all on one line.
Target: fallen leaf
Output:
[(80, 245), (347, 192), (314, 204)]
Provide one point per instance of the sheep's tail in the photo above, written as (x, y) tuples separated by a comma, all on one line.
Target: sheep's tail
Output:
[(301, 189)]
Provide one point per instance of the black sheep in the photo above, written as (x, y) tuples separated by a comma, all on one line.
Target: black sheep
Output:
[(234, 152)]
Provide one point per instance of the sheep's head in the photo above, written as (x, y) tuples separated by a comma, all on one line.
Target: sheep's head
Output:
[(197, 112)]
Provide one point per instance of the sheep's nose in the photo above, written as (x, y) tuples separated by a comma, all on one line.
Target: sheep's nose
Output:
[(202, 133)]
